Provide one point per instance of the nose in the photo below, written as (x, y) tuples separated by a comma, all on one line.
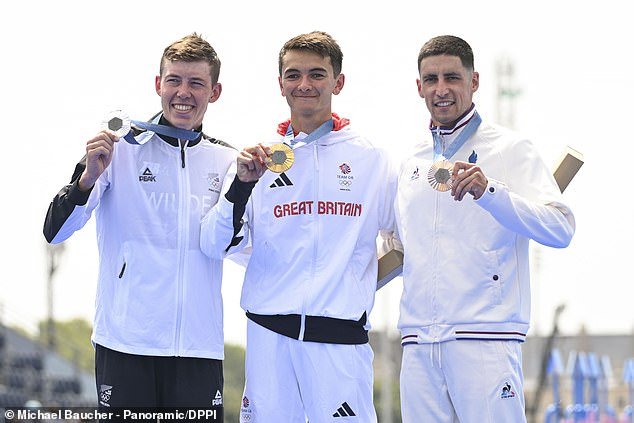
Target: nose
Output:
[(441, 88), (183, 91), (304, 83)]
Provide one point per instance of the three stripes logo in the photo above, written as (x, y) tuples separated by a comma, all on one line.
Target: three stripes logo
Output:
[(281, 181), (344, 411)]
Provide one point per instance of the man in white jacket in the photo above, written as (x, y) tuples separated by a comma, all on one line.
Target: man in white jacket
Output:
[(468, 203), (158, 329), (310, 282)]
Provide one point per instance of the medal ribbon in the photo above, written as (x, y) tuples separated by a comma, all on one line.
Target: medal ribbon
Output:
[(462, 137), (324, 128), (170, 131)]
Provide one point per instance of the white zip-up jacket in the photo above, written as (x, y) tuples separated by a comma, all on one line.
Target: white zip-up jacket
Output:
[(157, 293), (466, 270), (312, 229)]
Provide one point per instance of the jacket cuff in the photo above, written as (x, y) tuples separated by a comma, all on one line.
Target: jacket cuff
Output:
[(77, 196), (239, 192)]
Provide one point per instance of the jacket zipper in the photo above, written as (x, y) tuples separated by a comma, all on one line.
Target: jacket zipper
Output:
[(311, 280), (122, 270), (183, 144), (183, 241)]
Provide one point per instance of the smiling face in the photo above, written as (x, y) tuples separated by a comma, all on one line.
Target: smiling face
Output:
[(447, 87), (308, 82), (186, 89)]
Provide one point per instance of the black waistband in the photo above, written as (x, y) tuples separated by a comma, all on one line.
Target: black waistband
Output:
[(322, 329)]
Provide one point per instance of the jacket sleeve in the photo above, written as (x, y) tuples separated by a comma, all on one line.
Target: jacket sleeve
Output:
[(530, 204), (71, 208), (225, 228), (388, 194)]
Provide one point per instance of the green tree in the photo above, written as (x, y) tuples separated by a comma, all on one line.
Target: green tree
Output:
[(72, 341), (234, 381)]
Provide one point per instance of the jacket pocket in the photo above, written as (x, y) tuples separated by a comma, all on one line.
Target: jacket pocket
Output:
[(122, 270), (495, 277)]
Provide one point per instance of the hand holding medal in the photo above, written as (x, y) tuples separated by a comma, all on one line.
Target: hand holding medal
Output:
[(460, 177), (281, 158), (468, 178)]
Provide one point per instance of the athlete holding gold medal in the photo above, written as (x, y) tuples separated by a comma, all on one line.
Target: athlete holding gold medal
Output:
[(310, 282)]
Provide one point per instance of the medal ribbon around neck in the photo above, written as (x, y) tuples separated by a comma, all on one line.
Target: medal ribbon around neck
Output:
[(119, 123), (439, 174), (462, 137), (282, 155), (324, 128)]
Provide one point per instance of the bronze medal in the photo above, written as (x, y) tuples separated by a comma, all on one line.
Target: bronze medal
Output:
[(281, 158), (439, 175)]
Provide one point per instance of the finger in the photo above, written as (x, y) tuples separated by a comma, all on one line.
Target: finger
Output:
[(457, 180), (245, 161), (109, 135), (458, 190), (460, 166), (259, 152)]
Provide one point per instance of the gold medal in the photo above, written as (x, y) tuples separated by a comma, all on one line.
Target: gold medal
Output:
[(118, 122), (439, 175), (281, 158)]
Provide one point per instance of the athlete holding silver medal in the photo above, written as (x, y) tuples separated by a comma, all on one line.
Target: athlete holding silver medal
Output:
[(158, 330), (310, 282), (466, 298)]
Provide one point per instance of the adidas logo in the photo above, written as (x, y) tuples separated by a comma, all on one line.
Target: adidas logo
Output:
[(147, 176), (282, 181), (344, 411)]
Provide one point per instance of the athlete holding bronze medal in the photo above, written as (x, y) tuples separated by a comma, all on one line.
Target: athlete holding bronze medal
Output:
[(466, 295)]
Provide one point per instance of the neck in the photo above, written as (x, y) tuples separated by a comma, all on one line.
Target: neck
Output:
[(307, 124), (452, 125)]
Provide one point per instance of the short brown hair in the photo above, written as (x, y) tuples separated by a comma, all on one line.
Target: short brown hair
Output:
[(449, 45), (192, 48), (318, 42)]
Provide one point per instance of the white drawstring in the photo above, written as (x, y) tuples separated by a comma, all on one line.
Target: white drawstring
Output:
[(439, 354)]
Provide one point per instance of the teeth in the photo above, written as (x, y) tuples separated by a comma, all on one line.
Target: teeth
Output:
[(443, 103), (182, 107)]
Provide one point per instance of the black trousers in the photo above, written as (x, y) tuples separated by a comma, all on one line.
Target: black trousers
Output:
[(129, 380)]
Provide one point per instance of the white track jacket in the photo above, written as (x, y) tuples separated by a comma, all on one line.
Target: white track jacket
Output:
[(466, 270), (313, 230), (157, 293)]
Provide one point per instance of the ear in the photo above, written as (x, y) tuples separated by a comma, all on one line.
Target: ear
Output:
[(279, 80), (216, 90), (157, 84), (475, 81), (339, 82), (419, 86)]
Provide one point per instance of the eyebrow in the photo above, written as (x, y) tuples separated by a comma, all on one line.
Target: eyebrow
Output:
[(193, 78), (319, 69), (445, 74)]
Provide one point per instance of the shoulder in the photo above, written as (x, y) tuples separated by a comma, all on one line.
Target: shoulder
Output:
[(354, 140), (503, 138), (217, 142)]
